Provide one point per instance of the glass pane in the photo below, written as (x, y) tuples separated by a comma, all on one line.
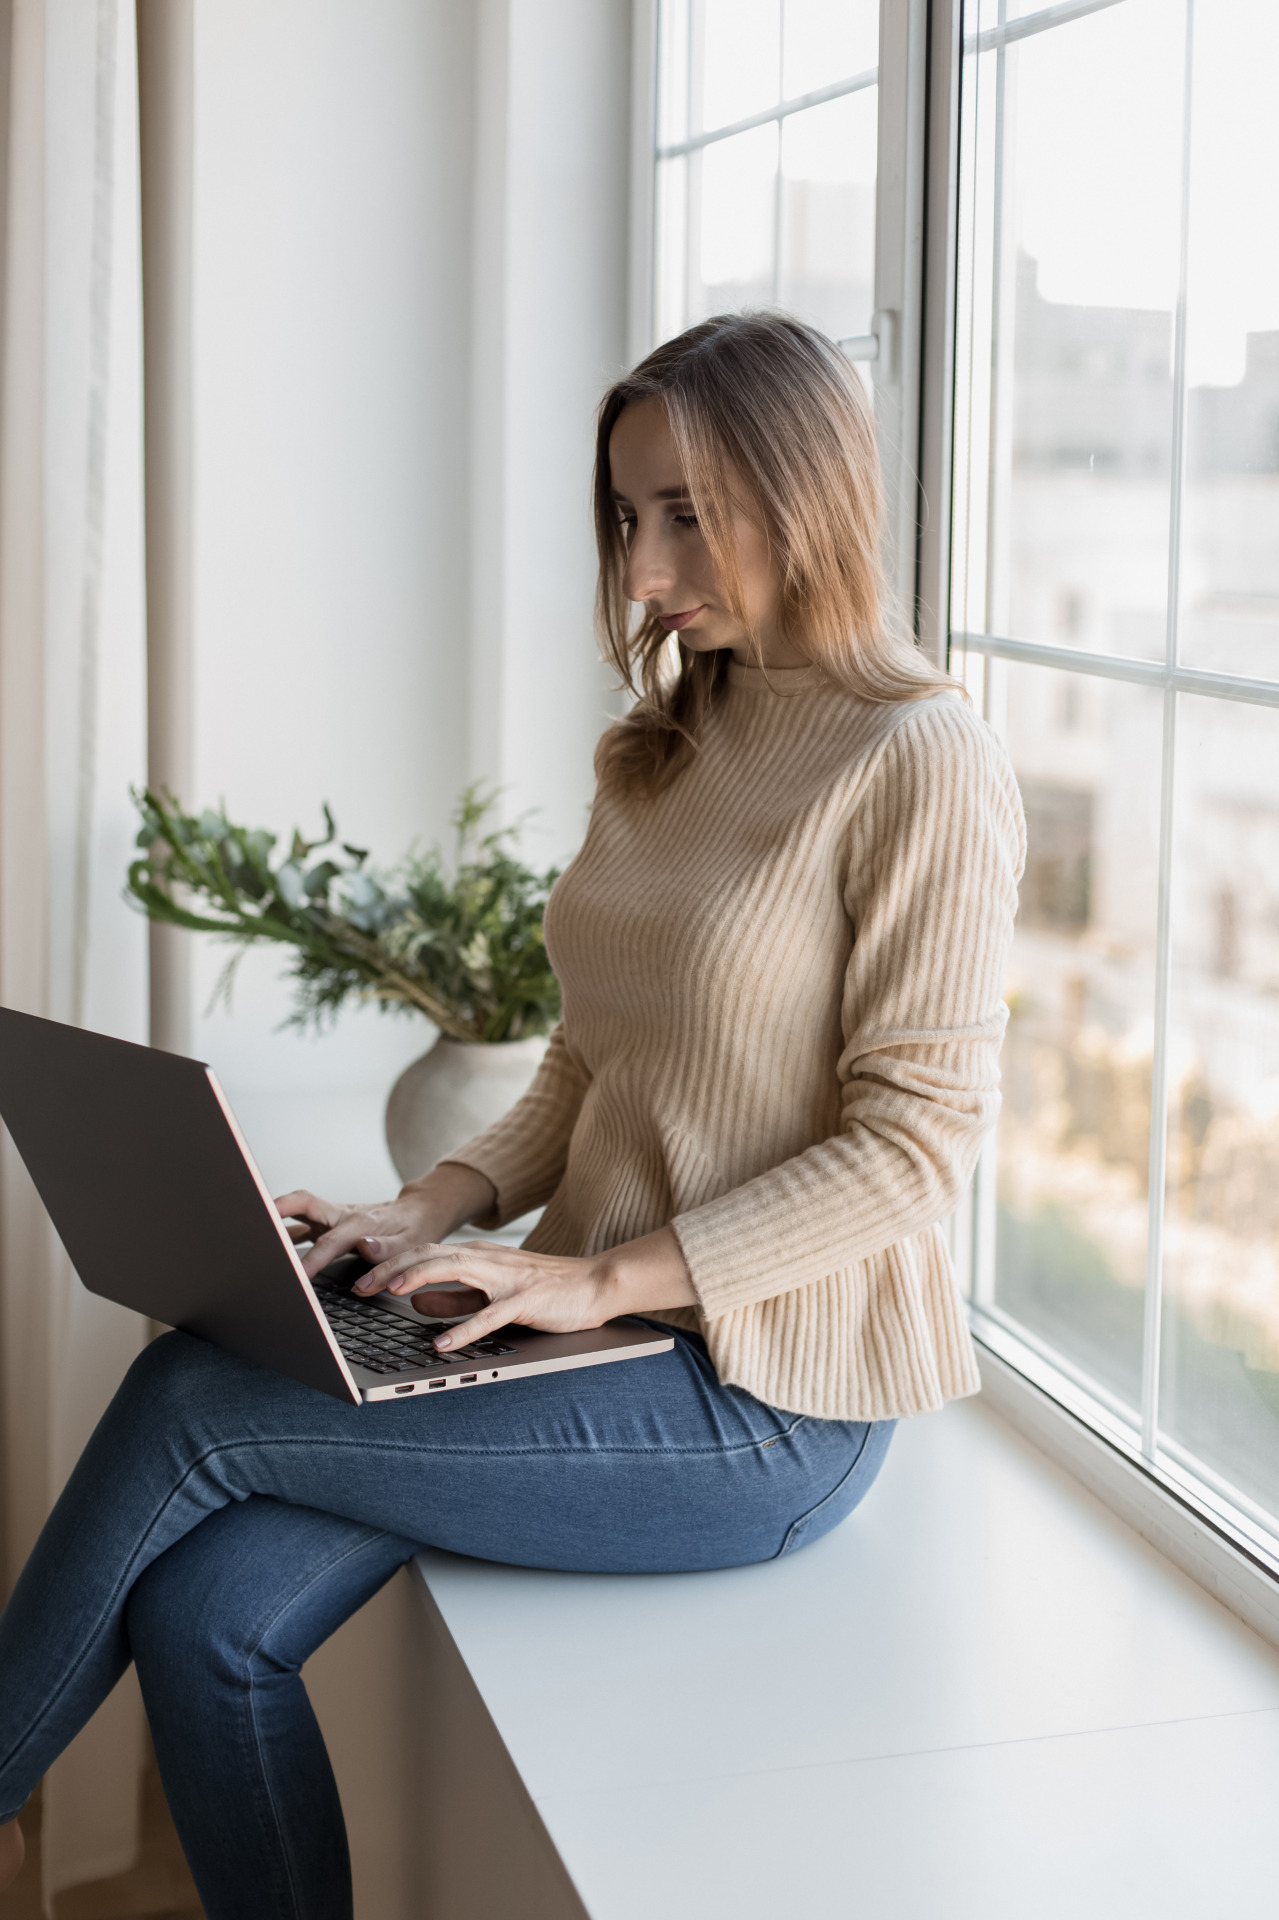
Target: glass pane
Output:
[(827, 40), (1074, 1136), (1220, 1391), (828, 214), (736, 60), (671, 243), (1067, 283), (1230, 522), (672, 72), (734, 215)]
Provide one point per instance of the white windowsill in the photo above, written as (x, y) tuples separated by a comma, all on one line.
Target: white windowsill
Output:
[(982, 1696), (1233, 1573)]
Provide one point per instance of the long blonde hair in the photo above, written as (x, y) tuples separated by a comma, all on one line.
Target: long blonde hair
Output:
[(766, 414)]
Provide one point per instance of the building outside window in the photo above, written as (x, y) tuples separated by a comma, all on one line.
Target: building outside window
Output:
[(1109, 326)]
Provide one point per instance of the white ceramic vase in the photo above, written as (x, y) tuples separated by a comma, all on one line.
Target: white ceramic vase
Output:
[(452, 1093)]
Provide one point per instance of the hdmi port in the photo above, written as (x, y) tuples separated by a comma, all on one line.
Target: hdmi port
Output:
[(469, 1379)]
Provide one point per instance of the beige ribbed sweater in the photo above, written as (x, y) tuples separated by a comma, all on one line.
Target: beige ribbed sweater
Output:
[(782, 1017)]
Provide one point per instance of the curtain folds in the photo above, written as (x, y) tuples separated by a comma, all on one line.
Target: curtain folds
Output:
[(72, 741)]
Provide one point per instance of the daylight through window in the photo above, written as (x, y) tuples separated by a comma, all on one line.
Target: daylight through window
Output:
[(1115, 607), (766, 155)]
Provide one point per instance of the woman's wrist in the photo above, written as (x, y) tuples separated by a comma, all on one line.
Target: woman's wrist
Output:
[(644, 1276), (452, 1195)]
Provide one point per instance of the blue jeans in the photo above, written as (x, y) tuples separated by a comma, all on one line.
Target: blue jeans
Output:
[(222, 1522)]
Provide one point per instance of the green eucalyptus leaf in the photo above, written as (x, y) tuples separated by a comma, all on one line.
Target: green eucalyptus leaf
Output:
[(289, 882), (464, 947)]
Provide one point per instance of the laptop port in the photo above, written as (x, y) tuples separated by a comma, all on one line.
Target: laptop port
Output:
[(469, 1379), (437, 1383), (407, 1389)]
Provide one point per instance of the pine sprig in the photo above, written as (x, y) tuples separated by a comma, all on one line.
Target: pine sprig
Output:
[(466, 948)]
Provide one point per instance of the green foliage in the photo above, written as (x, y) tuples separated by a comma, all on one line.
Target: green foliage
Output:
[(465, 950)]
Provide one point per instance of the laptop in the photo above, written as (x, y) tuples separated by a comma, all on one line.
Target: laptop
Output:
[(148, 1180)]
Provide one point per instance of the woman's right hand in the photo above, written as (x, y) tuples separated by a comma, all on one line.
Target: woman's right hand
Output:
[(428, 1210)]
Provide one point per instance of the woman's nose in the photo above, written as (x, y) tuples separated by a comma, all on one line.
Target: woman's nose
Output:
[(647, 571)]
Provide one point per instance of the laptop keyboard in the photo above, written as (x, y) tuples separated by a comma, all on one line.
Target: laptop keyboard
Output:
[(385, 1343)]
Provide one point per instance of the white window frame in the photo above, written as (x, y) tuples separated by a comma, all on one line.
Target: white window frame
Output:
[(1203, 1528)]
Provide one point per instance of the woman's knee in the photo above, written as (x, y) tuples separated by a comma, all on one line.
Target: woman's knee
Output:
[(197, 1611), (177, 1634), (179, 1384), (169, 1370), (253, 1590)]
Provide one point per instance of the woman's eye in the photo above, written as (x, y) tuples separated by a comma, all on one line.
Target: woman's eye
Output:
[(685, 519)]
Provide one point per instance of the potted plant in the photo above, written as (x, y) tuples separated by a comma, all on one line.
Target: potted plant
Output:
[(464, 948)]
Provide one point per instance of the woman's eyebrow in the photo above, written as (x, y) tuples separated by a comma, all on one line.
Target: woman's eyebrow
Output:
[(662, 493)]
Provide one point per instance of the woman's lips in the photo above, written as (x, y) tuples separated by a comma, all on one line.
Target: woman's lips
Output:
[(674, 621)]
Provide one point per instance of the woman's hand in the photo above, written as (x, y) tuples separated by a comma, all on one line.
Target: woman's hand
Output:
[(426, 1210), (549, 1291)]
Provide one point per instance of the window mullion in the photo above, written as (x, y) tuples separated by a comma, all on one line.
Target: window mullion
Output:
[(642, 290), (1152, 1322), (778, 184), (899, 220), (1153, 1311), (999, 447)]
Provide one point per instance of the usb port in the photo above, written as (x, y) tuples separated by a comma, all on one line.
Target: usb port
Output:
[(469, 1379), (437, 1383)]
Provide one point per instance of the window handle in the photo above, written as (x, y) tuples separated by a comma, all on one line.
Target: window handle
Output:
[(879, 345)]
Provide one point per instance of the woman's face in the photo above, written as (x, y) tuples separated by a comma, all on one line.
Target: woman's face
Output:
[(668, 564)]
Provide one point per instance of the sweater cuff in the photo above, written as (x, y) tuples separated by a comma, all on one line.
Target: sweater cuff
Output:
[(722, 1263)]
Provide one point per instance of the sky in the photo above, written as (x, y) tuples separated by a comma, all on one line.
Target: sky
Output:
[(1098, 107)]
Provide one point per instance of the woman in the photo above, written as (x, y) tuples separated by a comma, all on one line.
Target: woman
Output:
[(782, 948)]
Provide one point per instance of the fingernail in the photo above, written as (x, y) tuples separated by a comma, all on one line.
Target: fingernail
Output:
[(375, 1248), (444, 1340), (362, 1285)]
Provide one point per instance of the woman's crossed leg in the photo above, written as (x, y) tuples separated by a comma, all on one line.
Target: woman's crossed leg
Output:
[(223, 1521)]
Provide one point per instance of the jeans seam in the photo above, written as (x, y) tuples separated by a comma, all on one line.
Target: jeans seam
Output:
[(839, 1486), (335, 1560), (513, 1453)]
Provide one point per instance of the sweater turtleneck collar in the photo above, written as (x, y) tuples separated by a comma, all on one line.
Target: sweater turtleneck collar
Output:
[(776, 680)]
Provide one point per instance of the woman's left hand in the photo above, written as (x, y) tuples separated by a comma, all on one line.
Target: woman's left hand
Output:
[(554, 1293)]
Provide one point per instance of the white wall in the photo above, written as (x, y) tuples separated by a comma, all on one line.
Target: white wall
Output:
[(409, 291), (550, 307)]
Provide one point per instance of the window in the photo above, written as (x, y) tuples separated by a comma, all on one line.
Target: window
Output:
[(766, 160), (1114, 578), (764, 122), (1064, 209)]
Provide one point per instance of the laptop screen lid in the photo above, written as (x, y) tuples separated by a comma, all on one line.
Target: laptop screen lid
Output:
[(154, 1193)]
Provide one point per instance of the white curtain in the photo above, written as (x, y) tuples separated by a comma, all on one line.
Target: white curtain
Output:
[(72, 741)]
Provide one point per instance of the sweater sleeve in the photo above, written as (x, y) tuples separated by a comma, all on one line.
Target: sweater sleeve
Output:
[(524, 1154), (934, 854)]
